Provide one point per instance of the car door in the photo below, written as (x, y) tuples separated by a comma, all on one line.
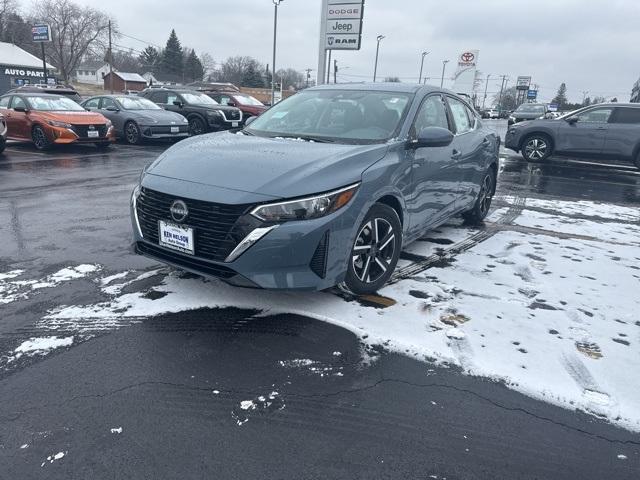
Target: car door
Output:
[(623, 135), (587, 134), (174, 97), (18, 123), (472, 145), (434, 179), (159, 97)]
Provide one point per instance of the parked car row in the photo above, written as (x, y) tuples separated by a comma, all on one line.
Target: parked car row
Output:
[(47, 115)]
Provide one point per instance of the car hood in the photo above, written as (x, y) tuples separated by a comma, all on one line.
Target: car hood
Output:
[(526, 116), (278, 168), (76, 118), (163, 117)]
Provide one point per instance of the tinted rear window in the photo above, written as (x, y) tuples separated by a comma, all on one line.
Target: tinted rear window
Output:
[(627, 115)]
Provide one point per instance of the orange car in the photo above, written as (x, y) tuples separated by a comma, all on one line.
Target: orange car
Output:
[(46, 119)]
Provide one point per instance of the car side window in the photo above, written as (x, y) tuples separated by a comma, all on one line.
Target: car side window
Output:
[(93, 103), (159, 97), (597, 115), (627, 115), (4, 102), (460, 117), (473, 118), (172, 97), (108, 102), (224, 99), (18, 102), (432, 113)]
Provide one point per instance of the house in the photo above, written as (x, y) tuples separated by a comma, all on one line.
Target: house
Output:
[(91, 72), (124, 81), (19, 67)]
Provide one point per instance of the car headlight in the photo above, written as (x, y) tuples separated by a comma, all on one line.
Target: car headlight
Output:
[(213, 113), (184, 120), (306, 208), (109, 124), (55, 123)]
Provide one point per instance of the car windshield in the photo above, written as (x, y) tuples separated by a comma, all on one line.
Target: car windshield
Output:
[(198, 99), (137, 103), (248, 100), (525, 108), (51, 104), (335, 115)]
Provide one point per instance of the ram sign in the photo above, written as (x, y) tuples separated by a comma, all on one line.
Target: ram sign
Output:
[(343, 24)]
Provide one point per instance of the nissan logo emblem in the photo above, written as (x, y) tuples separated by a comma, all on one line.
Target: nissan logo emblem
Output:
[(179, 210)]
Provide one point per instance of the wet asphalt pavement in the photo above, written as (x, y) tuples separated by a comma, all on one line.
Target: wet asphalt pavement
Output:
[(175, 383)]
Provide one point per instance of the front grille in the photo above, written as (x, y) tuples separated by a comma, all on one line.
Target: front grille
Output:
[(318, 263), (232, 115), (185, 261), (81, 130), (167, 130), (212, 222)]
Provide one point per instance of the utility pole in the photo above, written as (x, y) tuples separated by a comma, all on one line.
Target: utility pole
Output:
[(110, 61), (424, 54), (329, 67), (486, 85), (335, 71), (444, 65), (273, 65), (44, 63), (504, 78), (375, 67)]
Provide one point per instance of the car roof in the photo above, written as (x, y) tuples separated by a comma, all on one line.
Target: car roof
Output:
[(37, 94), (379, 86)]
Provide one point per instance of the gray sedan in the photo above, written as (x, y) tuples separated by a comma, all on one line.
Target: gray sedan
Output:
[(604, 130), (323, 188), (135, 119)]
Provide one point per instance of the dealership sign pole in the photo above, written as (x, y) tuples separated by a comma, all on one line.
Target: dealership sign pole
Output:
[(340, 29), (42, 33)]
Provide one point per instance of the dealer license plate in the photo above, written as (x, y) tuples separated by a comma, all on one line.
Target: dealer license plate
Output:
[(93, 133), (234, 124), (176, 237), (175, 129)]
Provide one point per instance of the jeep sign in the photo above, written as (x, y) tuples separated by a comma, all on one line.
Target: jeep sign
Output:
[(342, 24)]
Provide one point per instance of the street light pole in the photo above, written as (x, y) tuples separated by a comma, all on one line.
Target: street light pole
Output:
[(424, 54), (375, 68), (484, 99), (444, 65), (273, 65)]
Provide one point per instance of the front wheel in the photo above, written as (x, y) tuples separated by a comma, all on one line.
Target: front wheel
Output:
[(481, 207), (536, 148), (196, 126), (132, 133), (375, 251), (40, 139)]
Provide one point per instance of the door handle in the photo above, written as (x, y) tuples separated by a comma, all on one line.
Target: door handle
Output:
[(456, 154)]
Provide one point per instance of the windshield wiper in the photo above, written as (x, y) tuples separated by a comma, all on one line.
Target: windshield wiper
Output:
[(306, 138)]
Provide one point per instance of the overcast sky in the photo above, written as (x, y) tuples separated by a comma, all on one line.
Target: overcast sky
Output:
[(589, 44)]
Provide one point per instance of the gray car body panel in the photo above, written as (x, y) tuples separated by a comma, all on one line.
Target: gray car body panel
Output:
[(238, 169)]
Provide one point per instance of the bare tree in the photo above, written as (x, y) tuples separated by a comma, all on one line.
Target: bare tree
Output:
[(76, 31)]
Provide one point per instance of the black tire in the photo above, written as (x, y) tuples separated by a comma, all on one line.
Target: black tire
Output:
[(373, 258), (132, 133), (536, 147), (196, 126), (637, 160), (103, 145), (481, 207), (39, 138), (3, 144)]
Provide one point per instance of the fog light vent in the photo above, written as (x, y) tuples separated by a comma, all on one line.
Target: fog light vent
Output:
[(318, 264)]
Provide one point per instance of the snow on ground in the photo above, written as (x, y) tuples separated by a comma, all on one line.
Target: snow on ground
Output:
[(37, 346), (554, 317), (13, 288)]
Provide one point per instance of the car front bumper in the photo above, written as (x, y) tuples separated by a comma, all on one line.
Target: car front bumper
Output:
[(512, 139), (296, 255), (164, 131), (63, 135)]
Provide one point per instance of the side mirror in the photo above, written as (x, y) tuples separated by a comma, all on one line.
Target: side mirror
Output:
[(112, 109), (573, 119), (249, 121), (231, 103), (178, 103), (432, 137), (20, 109)]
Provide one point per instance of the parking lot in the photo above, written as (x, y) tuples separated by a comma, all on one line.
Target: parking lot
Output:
[(510, 349)]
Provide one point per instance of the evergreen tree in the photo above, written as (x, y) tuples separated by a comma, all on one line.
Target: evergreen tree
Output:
[(149, 58), (561, 97), (252, 77), (171, 63), (193, 69)]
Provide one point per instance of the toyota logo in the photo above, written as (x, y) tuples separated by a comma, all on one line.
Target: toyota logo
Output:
[(179, 210), (467, 57)]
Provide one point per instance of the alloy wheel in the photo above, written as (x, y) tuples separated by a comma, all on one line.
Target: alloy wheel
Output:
[(373, 250), (132, 133), (195, 126), (536, 148), (39, 138), (486, 195)]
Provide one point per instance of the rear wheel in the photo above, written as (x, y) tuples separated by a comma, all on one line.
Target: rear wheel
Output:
[(39, 138), (536, 148), (375, 251), (483, 202), (132, 133)]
